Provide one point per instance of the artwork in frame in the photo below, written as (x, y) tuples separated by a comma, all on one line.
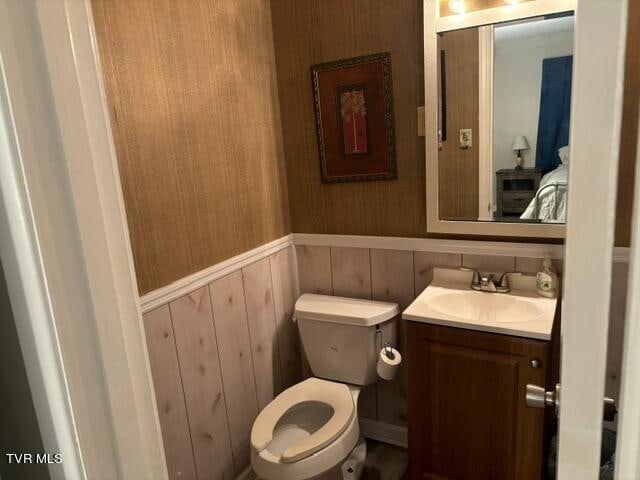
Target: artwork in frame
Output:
[(354, 119)]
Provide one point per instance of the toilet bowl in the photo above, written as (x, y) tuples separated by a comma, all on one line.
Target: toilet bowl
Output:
[(309, 430), (306, 432)]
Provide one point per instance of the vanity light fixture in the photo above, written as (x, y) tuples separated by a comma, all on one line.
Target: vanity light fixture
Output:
[(457, 6)]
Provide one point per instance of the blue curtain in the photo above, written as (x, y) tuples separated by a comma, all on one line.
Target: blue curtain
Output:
[(555, 109)]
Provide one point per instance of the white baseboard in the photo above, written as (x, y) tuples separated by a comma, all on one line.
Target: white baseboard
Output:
[(384, 432)]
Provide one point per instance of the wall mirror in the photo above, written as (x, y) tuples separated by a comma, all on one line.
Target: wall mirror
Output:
[(498, 103)]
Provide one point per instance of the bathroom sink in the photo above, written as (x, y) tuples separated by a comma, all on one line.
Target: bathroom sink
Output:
[(450, 301), (480, 306)]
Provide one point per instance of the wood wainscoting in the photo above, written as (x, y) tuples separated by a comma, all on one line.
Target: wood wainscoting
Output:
[(218, 356), (386, 275), (399, 269), (221, 349)]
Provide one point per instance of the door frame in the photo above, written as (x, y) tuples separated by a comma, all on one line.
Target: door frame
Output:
[(69, 265), (30, 304), (628, 444), (596, 117), (486, 201)]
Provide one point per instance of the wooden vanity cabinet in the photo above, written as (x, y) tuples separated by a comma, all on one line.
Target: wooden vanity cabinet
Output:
[(468, 419)]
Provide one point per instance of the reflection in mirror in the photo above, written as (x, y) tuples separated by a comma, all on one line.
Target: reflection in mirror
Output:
[(504, 136), (531, 104), (456, 7)]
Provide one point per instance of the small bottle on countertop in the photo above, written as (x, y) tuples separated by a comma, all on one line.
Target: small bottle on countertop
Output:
[(547, 280)]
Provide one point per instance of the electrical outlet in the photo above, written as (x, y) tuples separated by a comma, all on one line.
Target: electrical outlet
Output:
[(466, 138)]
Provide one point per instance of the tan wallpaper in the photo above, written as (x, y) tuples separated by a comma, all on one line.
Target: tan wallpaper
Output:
[(307, 32), (629, 135), (209, 99), (193, 97)]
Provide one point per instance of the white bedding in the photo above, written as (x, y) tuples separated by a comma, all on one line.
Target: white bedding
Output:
[(547, 198)]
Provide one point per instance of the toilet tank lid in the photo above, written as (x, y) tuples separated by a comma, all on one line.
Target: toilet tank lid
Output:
[(350, 311)]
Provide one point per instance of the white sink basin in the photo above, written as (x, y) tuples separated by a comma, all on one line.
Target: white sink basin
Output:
[(472, 305), (450, 301)]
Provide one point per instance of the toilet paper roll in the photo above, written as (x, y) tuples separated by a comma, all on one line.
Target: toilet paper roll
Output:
[(389, 361)]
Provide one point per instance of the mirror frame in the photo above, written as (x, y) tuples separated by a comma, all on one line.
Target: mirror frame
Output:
[(434, 24)]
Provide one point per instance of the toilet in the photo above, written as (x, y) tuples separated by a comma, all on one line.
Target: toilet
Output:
[(309, 430)]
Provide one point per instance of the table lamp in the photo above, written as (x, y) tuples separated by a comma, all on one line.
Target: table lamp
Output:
[(519, 143)]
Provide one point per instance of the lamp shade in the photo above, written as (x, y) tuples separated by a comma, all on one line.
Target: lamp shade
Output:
[(520, 143)]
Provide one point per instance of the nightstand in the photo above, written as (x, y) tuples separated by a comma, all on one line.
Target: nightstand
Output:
[(515, 190)]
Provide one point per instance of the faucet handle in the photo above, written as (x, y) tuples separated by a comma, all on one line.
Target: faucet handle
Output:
[(504, 278), (476, 274)]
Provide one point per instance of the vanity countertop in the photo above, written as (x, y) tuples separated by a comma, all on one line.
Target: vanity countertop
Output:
[(450, 301)]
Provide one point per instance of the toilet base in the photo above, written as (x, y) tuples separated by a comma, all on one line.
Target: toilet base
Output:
[(333, 474), (350, 469), (354, 464)]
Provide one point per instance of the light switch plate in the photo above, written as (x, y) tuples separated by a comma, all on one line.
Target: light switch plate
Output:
[(421, 122), (466, 138)]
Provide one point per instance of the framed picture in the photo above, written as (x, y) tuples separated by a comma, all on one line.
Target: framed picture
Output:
[(354, 119)]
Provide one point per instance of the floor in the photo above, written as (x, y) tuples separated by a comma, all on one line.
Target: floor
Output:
[(384, 462)]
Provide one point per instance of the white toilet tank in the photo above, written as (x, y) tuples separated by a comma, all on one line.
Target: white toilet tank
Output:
[(340, 335)]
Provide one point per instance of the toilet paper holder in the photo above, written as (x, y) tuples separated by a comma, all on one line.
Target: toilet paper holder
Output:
[(388, 351), (388, 346), (389, 359)]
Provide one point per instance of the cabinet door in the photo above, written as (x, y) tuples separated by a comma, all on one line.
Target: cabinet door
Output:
[(467, 414)]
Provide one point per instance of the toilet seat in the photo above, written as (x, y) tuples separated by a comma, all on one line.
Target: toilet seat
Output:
[(313, 390)]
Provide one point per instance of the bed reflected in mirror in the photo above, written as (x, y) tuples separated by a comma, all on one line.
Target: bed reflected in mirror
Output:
[(504, 114)]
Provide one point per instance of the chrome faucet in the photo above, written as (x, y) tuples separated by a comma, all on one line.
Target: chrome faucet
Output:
[(487, 283)]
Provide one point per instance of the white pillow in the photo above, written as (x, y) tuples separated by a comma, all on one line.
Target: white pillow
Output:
[(563, 153)]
